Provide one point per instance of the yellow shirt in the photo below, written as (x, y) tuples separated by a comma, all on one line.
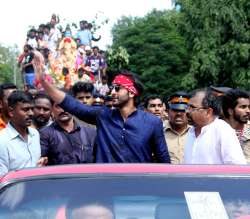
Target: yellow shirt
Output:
[(175, 143)]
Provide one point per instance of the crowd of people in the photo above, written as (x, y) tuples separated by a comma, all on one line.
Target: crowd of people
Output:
[(69, 56), (54, 126), (90, 121)]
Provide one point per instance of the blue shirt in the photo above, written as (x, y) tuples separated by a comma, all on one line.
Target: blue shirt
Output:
[(85, 37), (15, 152), (62, 147), (133, 140)]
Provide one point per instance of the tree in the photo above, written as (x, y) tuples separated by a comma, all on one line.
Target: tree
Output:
[(8, 65), (157, 52), (117, 60), (218, 37)]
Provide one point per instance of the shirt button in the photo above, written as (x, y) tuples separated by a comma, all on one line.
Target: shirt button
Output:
[(123, 129)]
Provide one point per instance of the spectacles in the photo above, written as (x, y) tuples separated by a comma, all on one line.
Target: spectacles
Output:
[(192, 108), (116, 87)]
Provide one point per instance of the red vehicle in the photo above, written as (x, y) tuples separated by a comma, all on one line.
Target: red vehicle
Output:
[(126, 191)]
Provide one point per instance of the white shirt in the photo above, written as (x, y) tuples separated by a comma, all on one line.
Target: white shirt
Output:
[(15, 153), (216, 144), (32, 42), (54, 37)]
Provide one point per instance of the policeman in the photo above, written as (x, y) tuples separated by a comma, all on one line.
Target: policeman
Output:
[(176, 127)]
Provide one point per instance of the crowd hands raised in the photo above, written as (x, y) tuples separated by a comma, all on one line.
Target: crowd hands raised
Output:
[(69, 55), (52, 124)]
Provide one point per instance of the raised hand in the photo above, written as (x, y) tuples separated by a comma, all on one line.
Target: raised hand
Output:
[(39, 65)]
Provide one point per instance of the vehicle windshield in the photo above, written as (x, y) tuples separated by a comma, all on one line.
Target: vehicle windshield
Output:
[(127, 197)]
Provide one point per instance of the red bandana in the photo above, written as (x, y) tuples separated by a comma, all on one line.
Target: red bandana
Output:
[(126, 82)]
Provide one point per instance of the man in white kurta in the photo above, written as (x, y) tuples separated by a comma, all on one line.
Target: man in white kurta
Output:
[(210, 140), (216, 144)]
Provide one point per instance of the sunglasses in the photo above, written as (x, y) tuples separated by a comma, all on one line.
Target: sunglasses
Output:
[(116, 87)]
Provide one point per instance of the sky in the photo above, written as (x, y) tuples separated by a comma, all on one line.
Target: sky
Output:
[(16, 16)]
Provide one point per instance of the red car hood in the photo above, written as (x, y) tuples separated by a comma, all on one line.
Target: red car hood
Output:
[(122, 169)]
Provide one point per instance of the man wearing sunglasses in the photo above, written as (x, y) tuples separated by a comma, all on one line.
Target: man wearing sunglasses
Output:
[(210, 140), (124, 134)]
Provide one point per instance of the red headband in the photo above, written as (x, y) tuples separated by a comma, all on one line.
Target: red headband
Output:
[(126, 82)]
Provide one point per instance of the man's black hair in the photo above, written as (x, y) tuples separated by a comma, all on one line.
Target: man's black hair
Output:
[(96, 95), (6, 86), (65, 71), (29, 47), (230, 99), (82, 87), (19, 97), (41, 26), (47, 26), (80, 70), (151, 97), (83, 22), (32, 30), (104, 77), (29, 86), (209, 100), (95, 47), (43, 95)]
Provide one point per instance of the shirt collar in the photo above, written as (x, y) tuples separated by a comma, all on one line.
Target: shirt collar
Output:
[(14, 133), (117, 112), (204, 128), (167, 125)]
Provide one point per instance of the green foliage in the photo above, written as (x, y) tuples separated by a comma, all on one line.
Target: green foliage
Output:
[(9, 71), (5, 73), (202, 43), (218, 37), (117, 60), (157, 52)]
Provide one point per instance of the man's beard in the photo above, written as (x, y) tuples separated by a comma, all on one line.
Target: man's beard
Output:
[(121, 102), (40, 121), (239, 119)]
